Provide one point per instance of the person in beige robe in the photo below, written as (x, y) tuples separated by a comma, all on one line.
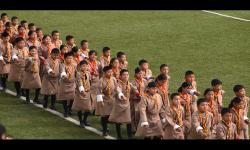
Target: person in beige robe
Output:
[(55, 39), (70, 42), (82, 101), (202, 122), (95, 71), (218, 92), (236, 107), (31, 78), (50, 81), (190, 77), (240, 92), (105, 58), (19, 54), (5, 58), (138, 85), (33, 40), (120, 113), (146, 72), (161, 82), (66, 90), (121, 56), (84, 50), (151, 108), (173, 128), (226, 129), (106, 96), (164, 69)]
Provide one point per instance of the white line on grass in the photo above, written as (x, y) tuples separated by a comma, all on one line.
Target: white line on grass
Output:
[(94, 130), (237, 18)]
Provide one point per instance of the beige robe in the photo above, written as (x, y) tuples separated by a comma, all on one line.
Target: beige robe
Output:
[(241, 126), (151, 108), (17, 67), (82, 101), (6, 53), (50, 82), (146, 74), (104, 62), (222, 131), (31, 78), (216, 115), (30, 43), (104, 108), (121, 109), (246, 101), (124, 65), (66, 90), (57, 43), (196, 122)]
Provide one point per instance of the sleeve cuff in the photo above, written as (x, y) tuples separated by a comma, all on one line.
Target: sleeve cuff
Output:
[(245, 118), (63, 74), (81, 88), (176, 126), (192, 92), (144, 123), (1, 57), (198, 129), (50, 70), (83, 56), (14, 57), (163, 120), (99, 98), (120, 95)]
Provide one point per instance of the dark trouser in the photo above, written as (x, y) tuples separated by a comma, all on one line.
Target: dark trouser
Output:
[(18, 88), (27, 94), (104, 123), (118, 130), (3, 80), (53, 100)]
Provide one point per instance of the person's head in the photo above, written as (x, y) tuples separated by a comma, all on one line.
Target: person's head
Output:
[(164, 69), (202, 105), (8, 25), (186, 87), (21, 29), (143, 64), (239, 90), (106, 51), (55, 35), (14, 20), (84, 44), (138, 73), (54, 53), (216, 84), (39, 32), (25, 24), (75, 51), (121, 56), (83, 65), (32, 35), (70, 40), (63, 48), (107, 71), (68, 57), (237, 103), (2, 132), (4, 17), (226, 115), (46, 39), (32, 50), (124, 75), (92, 54), (152, 89), (114, 62), (19, 42), (189, 76), (209, 94), (5, 37), (32, 27), (175, 99), (161, 79)]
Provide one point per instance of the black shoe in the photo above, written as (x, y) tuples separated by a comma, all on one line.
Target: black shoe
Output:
[(104, 133), (82, 125), (70, 112), (45, 105), (53, 107), (27, 101), (86, 123), (37, 101), (65, 114), (18, 95)]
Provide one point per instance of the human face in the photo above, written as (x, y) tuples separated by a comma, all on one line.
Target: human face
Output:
[(125, 76), (203, 107), (210, 95), (15, 22), (21, 44), (115, 63), (47, 40), (139, 75), (22, 30), (144, 66), (152, 90), (164, 70), (227, 117), (69, 59), (33, 36), (71, 42), (56, 36), (123, 58), (32, 28), (5, 18), (108, 73), (54, 55), (240, 105), (163, 82), (84, 67), (107, 53), (92, 57), (190, 78), (6, 39), (217, 87), (187, 89), (176, 101), (40, 33), (64, 50), (26, 25), (241, 92), (85, 45), (33, 52)]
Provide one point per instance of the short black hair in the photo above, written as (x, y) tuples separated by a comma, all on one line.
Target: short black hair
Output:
[(83, 62), (122, 71), (31, 25), (3, 14), (137, 70), (83, 41), (74, 49), (142, 61), (186, 84), (69, 37), (45, 36), (163, 65), (215, 82), (55, 51), (179, 89), (151, 84), (235, 100), (105, 49), (68, 54), (238, 87), (173, 95), (62, 46), (161, 77), (92, 52), (32, 47), (20, 26), (13, 18), (201, 100), (23, 22), (112, 60), (54, 31), (5, 34), (106, 68), (207, 90), (189, 72), (18, 39), (119, 54), (38, 29), (8, 24), (31, 32), (225, 110)]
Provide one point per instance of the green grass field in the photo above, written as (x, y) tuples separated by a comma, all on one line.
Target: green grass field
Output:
[(210, 45)]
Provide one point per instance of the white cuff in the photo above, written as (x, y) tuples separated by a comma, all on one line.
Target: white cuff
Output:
[(144, 123), (191, 92), (99, 98), (199, 128), (163, 120), (223, 92), (81, 88), (63, 74), (14, 57), (148, 77), (245, 118), (50, 70), (176, 126), (1, 57), (120, 95), (83, 56), (30, 59)]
